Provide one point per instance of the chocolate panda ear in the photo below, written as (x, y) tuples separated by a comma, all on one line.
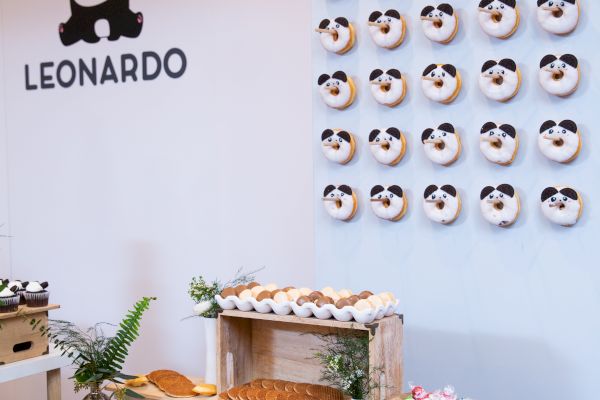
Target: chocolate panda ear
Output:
[(392, 13), (570, 59), (488, 126), (345, 136), (485, 3), (340, 75), (506, 189), (451, 190), (327, 133), (426, 134), (446, 127), (429, 68), (508, 63), (374, 15), (13, 289), (376, 73), (548, 192), (429, 190), (427, 10), (394, 73), (449, 68), (324, 24), (540, 2), (570, 193), (485, 192), (547, 125), (547, 59), (487, 65), (397, 190), (377, 189), (24, 284), (323, 78), (44, 285), (570, 1), (509, 129), (394, 132), (373, 135), (345, 189), (510, 3), (328, 189), (446, 9), (569, 125), (342, 21)]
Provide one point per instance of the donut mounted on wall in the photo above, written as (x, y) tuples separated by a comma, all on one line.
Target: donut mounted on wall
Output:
[(500, 205), (340, 202), (558, 16), (388, 202), (440, 23), (388, 146), (387, 29), (338, 145), (338, 90), (441, 82), (500, 80), (499, 143), (441, 204), (442, 145), (499, 18), (336, 35), (561, 205), (559, 75), (388, 87), (560, 142)]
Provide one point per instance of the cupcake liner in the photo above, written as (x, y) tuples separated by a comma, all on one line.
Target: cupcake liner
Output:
[(37, 299), (9, 304), (22, 300)]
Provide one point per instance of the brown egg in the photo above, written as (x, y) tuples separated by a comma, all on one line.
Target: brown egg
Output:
[(239, 289), (303, 299), (321, 301), (274, 292), (365, 294), (341, 303), (265, 294), (353, 299), (228, 291), (252, 284), (315, 295), (285, 289)]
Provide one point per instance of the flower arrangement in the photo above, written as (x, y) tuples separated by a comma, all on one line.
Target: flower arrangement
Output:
[(447, 393)]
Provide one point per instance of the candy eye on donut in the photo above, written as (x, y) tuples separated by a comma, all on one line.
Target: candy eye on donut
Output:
[(432, 137), (501, 195), (433, 197), (565, 198), (444, 196), (553, 199), (491, 196), (503, 134), (391, 195), (443, 133)]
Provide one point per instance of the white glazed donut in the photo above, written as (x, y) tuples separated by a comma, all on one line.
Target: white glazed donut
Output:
[(441, 145), (387, 146), (340, 202), (338, 90), (561, 205), (336, 36), (338, 145), (500, 80), (441, 82), (558, 16), (442, 204), (499, 18), (440, 23), (387, 30), (388, 202), (389, 87), (560, 143), (559, 75), (499, 143), (500, 205)]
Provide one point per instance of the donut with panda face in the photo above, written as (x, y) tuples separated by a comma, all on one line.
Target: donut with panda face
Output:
[(389, 87), (387, 29), (442, 145), (387, 145), (337, 35), (560, 142), (440, 23), (441, 204), (499, 18), (558, 16), (340, 202), (559, 75), (338, 145), (561, 205), (500, 205), (500, 80), (499, 143), (338, 90), (441, 82), (388, 202)]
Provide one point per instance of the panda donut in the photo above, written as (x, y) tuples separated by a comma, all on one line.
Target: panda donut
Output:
[(558, 16), (500, 205), (560, 143), (441, 82), (338, 90), (499, 143), (389, 87), (388, 202), (561, 205), (441, 145), (387, 146), (336, 36), (499, 18), (340, 202), (500, 80), (559, 75), (387, 30), (442, 204), (440, 24), (338, 145)]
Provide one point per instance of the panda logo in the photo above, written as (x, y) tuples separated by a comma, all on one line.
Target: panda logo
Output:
[(440, 11), (86, 22)]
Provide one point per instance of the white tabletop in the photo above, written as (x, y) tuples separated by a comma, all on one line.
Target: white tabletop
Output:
[(32, 366)]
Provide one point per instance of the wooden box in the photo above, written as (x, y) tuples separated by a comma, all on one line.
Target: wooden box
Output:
[(17, 339), (251, 345)]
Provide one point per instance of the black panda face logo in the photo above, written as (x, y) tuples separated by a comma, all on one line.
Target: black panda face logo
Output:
[(440, 72), (335, 80), (504, 131), (555, 198), (433, 193), (340, 192), (501, 192), (500, 68), (443, 131), (437, 12), (330, 136), (565, 61), (389, 135), (380, 18), (566, 127), (380, 77), (379, 192), (81, 25)]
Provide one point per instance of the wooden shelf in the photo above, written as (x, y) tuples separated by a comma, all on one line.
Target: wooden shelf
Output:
[(24, 310), (32, 366)]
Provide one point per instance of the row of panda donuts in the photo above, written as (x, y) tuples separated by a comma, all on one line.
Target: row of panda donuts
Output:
[(499, 205), (499, 143), (497, 18), (499, 80)]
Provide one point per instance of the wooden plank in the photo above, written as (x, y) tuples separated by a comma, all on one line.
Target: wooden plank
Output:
[(234, 352), (18, 341), (32, 366), (385, 354), (53, 384), (24, 310)]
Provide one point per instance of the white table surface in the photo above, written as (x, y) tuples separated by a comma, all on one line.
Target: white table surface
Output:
[(32, 366)]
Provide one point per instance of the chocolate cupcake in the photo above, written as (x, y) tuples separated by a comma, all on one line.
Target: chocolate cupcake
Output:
[(20, 289), (9, 300), (36, 294)]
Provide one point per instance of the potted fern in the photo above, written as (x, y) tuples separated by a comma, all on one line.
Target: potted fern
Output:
[(98, 358)]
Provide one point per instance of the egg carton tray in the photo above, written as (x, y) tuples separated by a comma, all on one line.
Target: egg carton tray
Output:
[(307, 310)]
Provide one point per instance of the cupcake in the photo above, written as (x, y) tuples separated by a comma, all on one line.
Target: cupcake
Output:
[(36, 294), (20, 289), (9, 300)]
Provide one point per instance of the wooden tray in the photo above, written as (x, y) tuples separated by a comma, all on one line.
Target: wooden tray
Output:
[(150, 391)]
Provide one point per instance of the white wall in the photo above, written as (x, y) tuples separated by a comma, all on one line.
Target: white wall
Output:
[(128, 190)]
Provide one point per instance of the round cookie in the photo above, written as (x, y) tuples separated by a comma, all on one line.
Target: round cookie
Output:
[(441, 82), (441, 204), (500, 205), (388, 202), (338, 90), (500, 80), (340, 202), (338, 145), (441, 145), (499, 18), (440, 23), (388, 29), (389, 87), (560, 142), (499, 143), (559, 75), (337, 35)]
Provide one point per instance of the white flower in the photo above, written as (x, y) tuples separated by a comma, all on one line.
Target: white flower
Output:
[(202, 307)]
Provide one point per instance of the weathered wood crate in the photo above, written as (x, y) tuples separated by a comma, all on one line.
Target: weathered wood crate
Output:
[(252, 345)]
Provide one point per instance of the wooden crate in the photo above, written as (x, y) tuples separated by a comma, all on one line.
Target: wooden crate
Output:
[(252, 345), (17, 340)]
